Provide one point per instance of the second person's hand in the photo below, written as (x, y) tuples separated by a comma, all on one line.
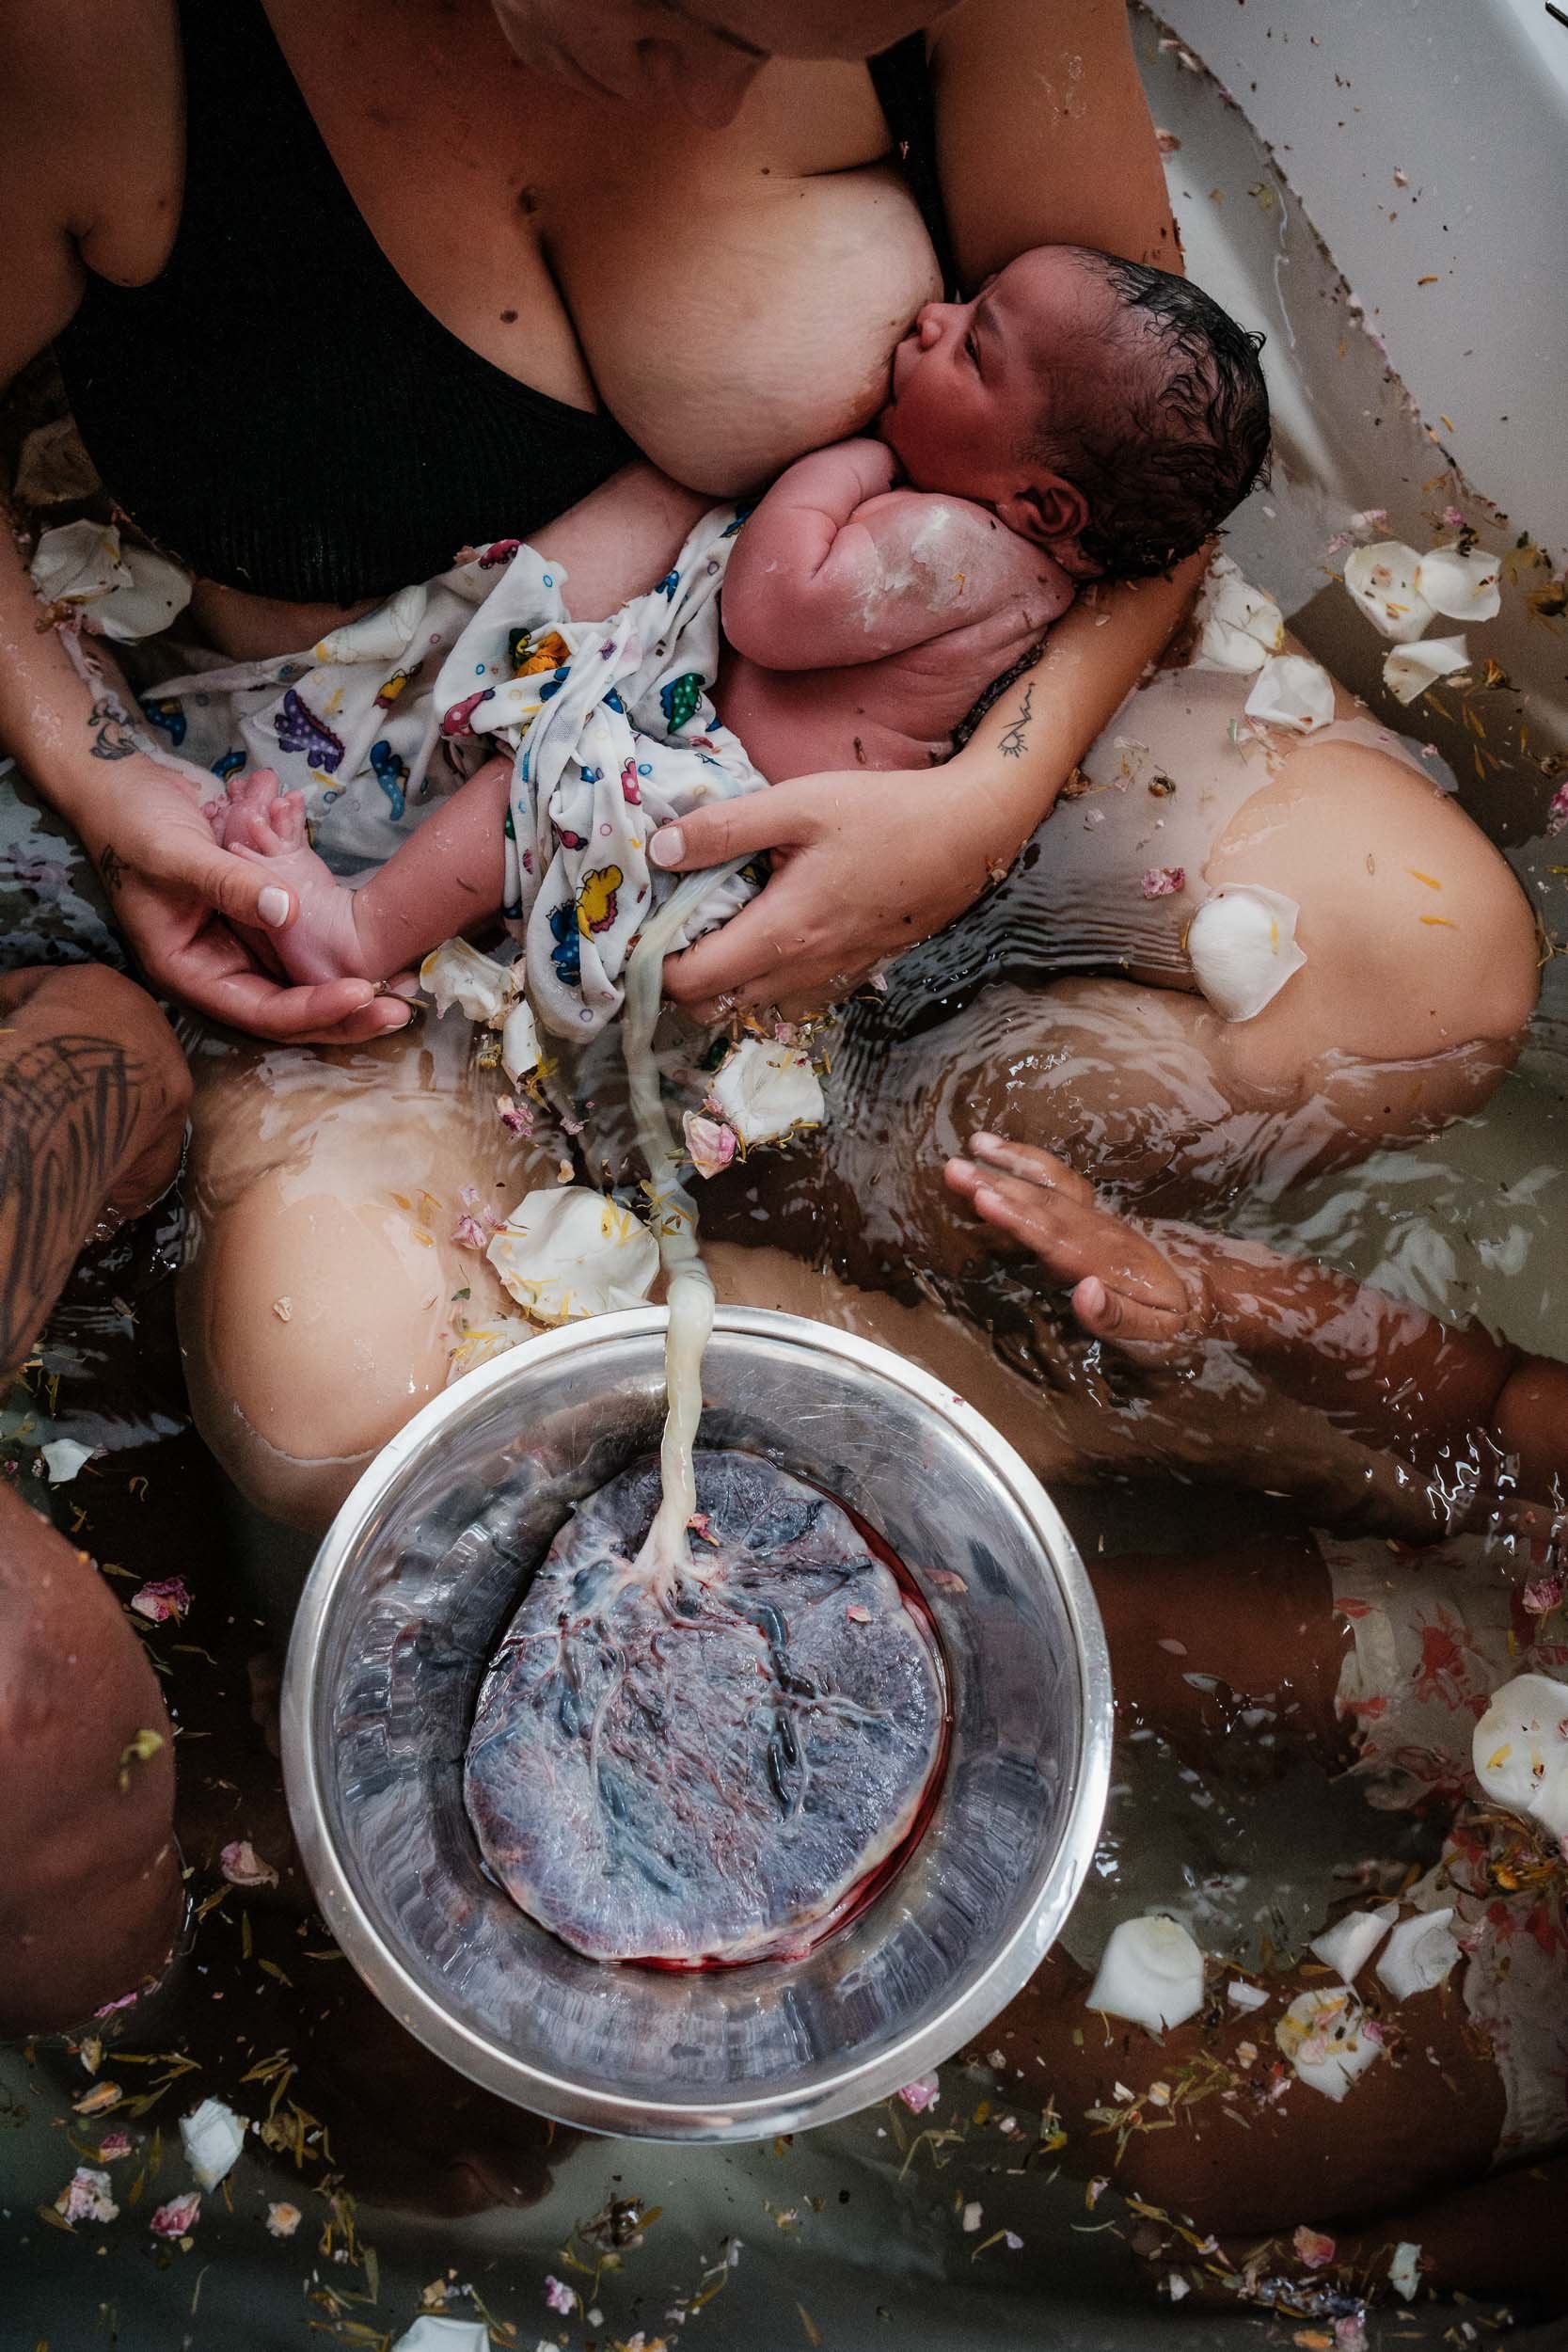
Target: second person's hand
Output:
[(1142, 1288)]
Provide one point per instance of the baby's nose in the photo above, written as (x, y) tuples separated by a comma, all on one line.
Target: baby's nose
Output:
[(928, 324)]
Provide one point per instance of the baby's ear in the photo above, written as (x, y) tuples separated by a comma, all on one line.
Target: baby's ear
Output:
[(1050, 513)]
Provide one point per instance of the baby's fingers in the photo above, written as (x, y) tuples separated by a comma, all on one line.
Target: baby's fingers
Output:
[(1033, 1167)]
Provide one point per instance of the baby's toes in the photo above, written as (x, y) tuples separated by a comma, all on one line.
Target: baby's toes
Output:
[(248, 824), (286, 817)]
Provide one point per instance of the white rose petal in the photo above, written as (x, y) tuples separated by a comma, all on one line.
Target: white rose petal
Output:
[(1383, 581), (212, 2137), (1242, 945), (1245, 1997), (520, 1042), (1291, 691), (1404, 2275), (429, 2334), (64, 1458), (1419, 1954), (766, 1090), (570, 1253), (1350, 1942), (1150, 1970), (378, 636), (128, 592), (1322, 2036), (1520, 1749), (77, 563), (157, 592), (1239, 625), (456, 974), (1462, 587), (1410, 670)]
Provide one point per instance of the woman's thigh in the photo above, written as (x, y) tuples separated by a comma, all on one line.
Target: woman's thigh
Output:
[(1420, 973), (323, 1288)]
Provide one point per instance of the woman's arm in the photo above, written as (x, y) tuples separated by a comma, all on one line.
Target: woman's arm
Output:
[(101, 191), (1388, 1374)]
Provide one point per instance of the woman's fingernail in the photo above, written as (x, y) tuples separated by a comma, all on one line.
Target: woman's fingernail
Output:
[(961, 1167), (273, 906), (406, 985), (983, 1142), (668, 847)]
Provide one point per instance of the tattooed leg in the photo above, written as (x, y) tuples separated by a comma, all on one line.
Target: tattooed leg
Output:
[(92, 1104)]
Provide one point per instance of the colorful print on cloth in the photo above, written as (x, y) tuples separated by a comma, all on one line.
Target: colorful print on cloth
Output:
[(612, 733), (1432, 1634), (350, 722)]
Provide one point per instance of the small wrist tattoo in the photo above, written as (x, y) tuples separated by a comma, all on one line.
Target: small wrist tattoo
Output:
[(1014, 737)]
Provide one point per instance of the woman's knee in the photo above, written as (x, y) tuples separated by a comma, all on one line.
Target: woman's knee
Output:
[(313, 1328), (1420, 946)]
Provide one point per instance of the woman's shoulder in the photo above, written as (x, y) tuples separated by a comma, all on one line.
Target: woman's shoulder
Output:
[(92, 122)]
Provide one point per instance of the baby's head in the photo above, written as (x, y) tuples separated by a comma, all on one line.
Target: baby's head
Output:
[(1111, 413)]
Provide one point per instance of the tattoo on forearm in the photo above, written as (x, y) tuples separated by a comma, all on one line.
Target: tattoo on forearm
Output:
[(68, 1109), (1014, 737), (112, 867), (113, 736)]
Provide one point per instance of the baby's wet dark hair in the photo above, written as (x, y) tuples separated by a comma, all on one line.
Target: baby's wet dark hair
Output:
[(1182, 435)]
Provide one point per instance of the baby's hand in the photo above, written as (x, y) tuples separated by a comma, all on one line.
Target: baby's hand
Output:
[(1143, 1289)]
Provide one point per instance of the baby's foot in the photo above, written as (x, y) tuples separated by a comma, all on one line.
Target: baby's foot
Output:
[(257, 821)]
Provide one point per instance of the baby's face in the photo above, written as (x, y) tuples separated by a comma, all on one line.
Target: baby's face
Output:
[(971, 380)]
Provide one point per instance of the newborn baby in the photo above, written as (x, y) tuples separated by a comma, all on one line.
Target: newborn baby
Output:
[(1082, 418)]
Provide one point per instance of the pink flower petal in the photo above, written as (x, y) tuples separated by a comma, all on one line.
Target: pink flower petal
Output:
[(1163, 882), (168, 1597), (242, 1866), (179, 2217), (918, 2096)]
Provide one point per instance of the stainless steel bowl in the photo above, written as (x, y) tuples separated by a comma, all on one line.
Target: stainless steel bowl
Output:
[(409, 1593)]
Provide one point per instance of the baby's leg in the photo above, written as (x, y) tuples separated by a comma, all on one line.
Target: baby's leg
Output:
[(443, 879), (320, 1299)]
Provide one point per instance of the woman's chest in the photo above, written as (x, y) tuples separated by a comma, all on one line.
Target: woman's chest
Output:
[(733, 297)]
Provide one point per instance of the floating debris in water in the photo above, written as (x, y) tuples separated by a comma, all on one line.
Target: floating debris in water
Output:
[(242, 1866), (86, 2197), (178, 2217), (168, 1597)]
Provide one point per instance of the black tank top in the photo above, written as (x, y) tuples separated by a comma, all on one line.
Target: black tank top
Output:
[(277, 410)]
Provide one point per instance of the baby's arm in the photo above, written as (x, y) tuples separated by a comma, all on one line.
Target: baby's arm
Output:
[(836, 567), (1390, 1374)]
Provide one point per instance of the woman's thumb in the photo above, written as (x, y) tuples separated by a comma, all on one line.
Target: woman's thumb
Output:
[(722, 830), (239, 886)]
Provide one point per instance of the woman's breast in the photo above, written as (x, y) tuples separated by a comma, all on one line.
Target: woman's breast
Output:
[(733, 323)]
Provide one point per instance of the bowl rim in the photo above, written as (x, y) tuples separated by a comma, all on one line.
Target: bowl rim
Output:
[(856, 2083)]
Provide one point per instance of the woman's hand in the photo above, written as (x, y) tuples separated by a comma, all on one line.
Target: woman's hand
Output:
[(178, 896), (864, 864), (1143, 1287)]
